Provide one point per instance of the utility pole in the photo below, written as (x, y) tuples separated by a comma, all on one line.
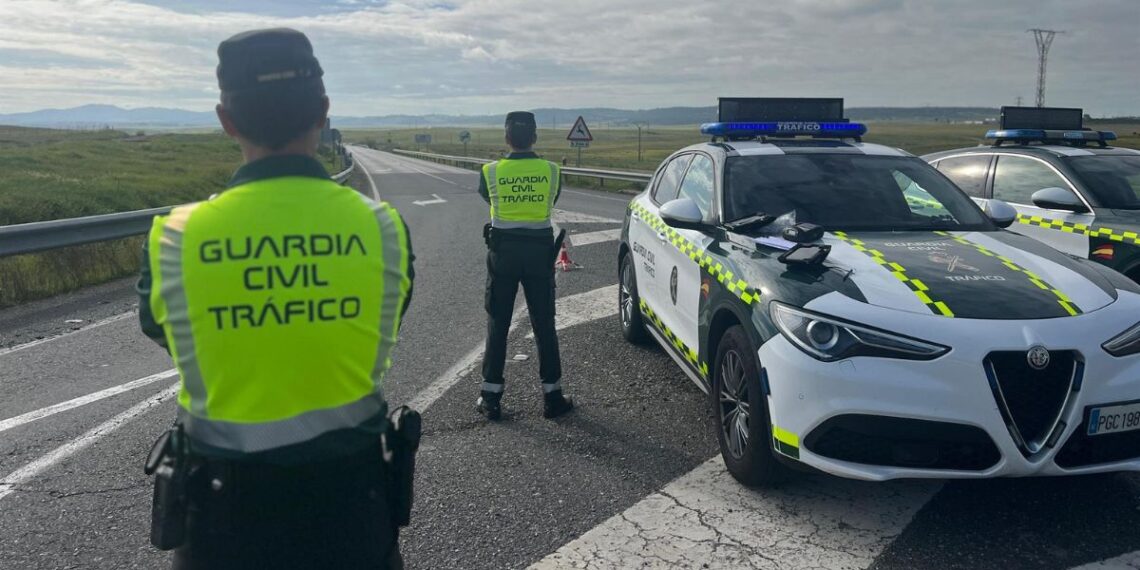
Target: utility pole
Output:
[(639, 142), (1044, 39), (1019, 100)]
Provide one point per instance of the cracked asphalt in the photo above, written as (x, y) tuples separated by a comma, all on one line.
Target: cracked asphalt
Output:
[(631, 479)]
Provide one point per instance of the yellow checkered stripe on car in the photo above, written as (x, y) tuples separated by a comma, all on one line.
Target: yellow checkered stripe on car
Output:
[(736, 286), (1082, 229), (682, 348), (785, 442), (916, 286), (1068, 304)]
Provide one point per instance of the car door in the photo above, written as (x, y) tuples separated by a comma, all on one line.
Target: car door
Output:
[(1016, 178), (646, 238), (679, 277)]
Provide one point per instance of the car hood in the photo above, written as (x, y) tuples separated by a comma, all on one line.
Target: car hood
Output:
[(979, 275)]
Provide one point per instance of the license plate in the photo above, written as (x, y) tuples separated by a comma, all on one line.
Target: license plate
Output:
[(1114, 419)]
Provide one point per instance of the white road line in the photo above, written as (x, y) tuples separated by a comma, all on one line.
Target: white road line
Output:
[(436, 200), (705, 519), (585, 307), (42, 413), (564, 217), (580, 193), (424, 172), (580, 308), (594, 237), (1130, 561), (93, 325), (10, 484), (368, 175)]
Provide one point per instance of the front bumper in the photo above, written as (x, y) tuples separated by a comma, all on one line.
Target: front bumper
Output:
[(950, 395)]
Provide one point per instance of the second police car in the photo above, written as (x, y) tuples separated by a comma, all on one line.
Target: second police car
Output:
[(1071, 189), (848, 309)]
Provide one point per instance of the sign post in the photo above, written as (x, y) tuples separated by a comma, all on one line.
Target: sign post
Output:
[(464, 137), (580, 137)]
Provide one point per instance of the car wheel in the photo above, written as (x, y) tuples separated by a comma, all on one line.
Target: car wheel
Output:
[(629, 304), (741, 411)]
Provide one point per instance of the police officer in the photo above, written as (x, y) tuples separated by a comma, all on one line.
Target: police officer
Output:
[(280, 300), (521, 189)]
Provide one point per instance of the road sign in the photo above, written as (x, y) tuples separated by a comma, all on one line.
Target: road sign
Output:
[(580, 132), (464, 136), (579, 144), (423, 139)]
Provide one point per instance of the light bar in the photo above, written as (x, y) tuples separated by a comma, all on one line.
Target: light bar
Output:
[(1041, 135), (785, 129), (1053, 118)]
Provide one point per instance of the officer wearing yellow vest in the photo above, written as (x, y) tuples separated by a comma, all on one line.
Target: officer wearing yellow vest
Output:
[(280, 300), (521, 189)]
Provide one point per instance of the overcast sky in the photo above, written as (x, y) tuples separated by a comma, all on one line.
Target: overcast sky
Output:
[(488, 56)]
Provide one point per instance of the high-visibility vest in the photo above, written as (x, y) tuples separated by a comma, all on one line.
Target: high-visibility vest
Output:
[(522, 192), (280, 300)]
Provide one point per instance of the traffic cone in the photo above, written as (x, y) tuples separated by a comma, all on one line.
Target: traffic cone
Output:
[(564, 262)]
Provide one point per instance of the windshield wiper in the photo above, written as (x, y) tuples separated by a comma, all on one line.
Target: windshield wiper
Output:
[(751, 222)]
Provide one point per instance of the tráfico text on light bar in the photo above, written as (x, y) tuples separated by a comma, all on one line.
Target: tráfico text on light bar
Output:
[(785, 128), (1050, 135)]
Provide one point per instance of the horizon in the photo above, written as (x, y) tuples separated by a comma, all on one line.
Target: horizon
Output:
[(453, 57)]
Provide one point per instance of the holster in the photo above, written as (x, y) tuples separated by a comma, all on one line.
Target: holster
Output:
[(400, 443), (169, 462), (487, 230)]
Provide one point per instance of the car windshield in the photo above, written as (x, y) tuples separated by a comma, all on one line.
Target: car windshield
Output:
[(1113, 180), (849, 192)]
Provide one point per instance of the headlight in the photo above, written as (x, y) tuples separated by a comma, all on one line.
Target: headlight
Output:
[(1125, 343), (830, 339)]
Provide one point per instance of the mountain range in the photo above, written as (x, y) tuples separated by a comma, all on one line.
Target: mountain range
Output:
[(98, 116)]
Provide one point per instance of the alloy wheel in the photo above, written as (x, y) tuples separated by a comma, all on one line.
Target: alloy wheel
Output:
[(734, 406)]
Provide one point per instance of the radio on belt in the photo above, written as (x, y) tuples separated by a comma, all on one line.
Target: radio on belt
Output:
[(743, 118)]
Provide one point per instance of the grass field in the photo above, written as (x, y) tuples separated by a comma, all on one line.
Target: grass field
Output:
[(52, 174)]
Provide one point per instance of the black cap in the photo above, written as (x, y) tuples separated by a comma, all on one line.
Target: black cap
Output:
[(523, 118), (267, 58)]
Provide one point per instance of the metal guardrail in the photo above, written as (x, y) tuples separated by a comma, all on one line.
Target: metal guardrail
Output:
[(41, 236), (598, 173)]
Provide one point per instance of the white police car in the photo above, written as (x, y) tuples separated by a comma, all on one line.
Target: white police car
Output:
[(1070, 188), (850, 310)]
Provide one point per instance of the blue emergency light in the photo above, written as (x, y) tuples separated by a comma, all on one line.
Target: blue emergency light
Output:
[(785, 129), (1047, 135)]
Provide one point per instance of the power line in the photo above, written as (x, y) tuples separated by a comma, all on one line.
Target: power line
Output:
[(1044, 39)]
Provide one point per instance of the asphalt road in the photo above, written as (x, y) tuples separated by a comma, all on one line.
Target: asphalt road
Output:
[(631, 479)]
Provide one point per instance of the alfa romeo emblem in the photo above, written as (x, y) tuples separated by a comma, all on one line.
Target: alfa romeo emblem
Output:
[(1038, 357)]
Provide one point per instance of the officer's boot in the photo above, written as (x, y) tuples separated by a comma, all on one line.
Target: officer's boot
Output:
[(489, 405), (555, 404)]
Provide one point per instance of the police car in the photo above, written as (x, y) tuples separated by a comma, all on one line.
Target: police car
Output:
[(1071, 190), (850, 310)]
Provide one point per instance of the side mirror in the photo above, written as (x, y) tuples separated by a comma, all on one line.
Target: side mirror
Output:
[(1000, 212), (683, 213), (1058, 199)]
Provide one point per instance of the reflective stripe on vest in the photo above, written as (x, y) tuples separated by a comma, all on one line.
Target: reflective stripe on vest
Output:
[(281, 303), (522, 192)]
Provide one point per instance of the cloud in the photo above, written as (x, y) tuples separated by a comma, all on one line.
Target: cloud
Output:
[(479, 56)]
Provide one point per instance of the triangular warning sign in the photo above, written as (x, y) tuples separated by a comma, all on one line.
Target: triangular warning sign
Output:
[(580, 132)]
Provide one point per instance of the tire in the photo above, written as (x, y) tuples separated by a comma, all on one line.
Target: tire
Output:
[(629, 303), (743, 425)]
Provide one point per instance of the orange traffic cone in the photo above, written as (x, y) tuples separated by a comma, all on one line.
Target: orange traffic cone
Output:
[(564, 262)]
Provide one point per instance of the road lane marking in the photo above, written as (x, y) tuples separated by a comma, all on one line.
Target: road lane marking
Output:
[(424, 172), (10, 483), (1130, 561), (595, 237), (15, 422), (436, 200), (564, 217), (580, 308), (93, 325), (705, 519), (368, 175), (584, 308)]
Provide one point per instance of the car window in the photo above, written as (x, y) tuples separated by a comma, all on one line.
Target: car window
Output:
[(698, 184), (1114, 180), (1017, 178), (848, 192), (968, 172), (670, 179)]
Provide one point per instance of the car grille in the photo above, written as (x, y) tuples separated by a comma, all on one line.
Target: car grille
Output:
[(1031, 400), (903, 442), (1082, 449)]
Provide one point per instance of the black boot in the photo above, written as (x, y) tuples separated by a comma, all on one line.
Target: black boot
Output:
[(555, 404), (488, 405)]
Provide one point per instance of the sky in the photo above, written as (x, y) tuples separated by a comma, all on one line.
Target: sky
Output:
[(488, 56)]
